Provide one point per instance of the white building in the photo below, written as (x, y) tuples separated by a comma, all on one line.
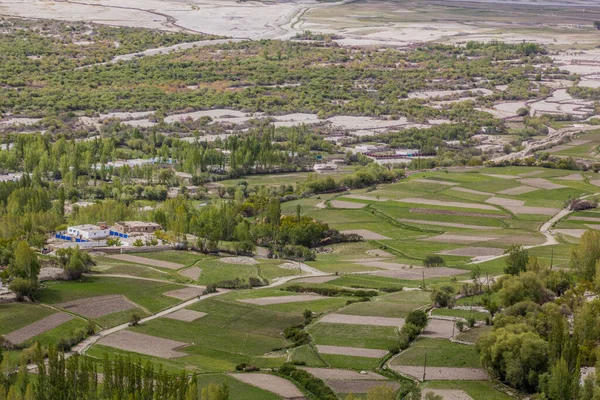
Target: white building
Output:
[(88, 231)]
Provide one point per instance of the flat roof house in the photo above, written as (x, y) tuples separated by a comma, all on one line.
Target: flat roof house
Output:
[(89, 231), (136, 226)]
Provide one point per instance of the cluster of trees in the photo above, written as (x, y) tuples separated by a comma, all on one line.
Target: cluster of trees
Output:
[(368, 175), (547, 329), (76, 377)]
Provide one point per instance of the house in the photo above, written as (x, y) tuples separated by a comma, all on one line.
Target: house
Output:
[(136, 227), (88, 231)]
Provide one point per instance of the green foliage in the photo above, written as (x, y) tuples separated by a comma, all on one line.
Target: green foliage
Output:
[(443, 296), (516, 259), (434, 261), (417, 318), (586, 254), (311, 384), (24, 287)]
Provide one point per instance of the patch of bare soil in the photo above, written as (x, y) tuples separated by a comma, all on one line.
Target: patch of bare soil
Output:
[(351, 351), (366, 234), (463, 239), (500, 201), (471, 191), (146, 261), (518, 190), (541, 183), (335, 318), (94, 307), (185, 315), (439, 329), (532, 210), (390, 266), (416, 274), (239, 260), (265, 301), (379, 253), (443, 373), (448, 394), (52, 274), (38, 327), (192, 273), (593, 226), (185, 293), (572, 177), (456, 213), (361, 386), (317, 279), (456, 204), (577, 233), (347, 204), (333, 374), (474, 252), (270, 383), (587, 219), (365, 197), (144, 344), (449, 224)]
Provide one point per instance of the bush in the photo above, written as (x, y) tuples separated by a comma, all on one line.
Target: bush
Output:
[(460, 324), (311, 384), (471, 322), (417, 318), (443, 297), (330, 291), (24, 288), (210, 288), (434, 261), (135, 319)]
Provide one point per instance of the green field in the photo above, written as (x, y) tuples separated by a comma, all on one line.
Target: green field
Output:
[(439, 353)]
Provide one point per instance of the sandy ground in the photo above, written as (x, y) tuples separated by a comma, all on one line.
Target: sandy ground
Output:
[(518, 190), (317, 279), (192, 273), (473, 252), (532, 210), (448, 224), (577, 233), (456, 204), (346, 204), (38, 327), (463, 239), (239, 260), (185, 315), (333, 374), (439, 329), (587, 219), (144, 344), (448, 394), (501, 201), (499, 176), (361, 386), (185, 293), (52, 274), (432, 211), (443, 374), (351, 351), (266, 301), (146, 261), (541, 183), (374, 262), (572, 177), (379, 253), (365, 197), (366, 234), (471, 191), (271, 383), (416, 274), (593, 226), (94, 307), (361, 320)]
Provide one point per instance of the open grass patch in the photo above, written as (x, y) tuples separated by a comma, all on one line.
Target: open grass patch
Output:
[(440, 353)]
